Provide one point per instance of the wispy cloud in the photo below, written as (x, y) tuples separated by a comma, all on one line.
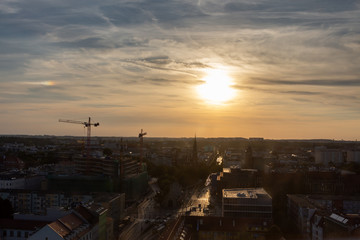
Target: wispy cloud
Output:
[(92, 56), (325, 82)]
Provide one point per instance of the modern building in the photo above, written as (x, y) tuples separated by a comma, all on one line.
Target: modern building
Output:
[(246, 203)]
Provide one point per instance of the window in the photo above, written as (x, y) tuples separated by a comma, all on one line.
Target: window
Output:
[(26, 234), (4, 233), (18, 234), (11, 233)]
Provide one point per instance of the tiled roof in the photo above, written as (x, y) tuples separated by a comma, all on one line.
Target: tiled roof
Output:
[(59, 228), (86, 214), (70, 224), (71, 221)]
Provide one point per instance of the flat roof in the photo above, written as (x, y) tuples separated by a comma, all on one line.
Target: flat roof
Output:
[(252, 193)]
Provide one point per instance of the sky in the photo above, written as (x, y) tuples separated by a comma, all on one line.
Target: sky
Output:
[(276, 69)]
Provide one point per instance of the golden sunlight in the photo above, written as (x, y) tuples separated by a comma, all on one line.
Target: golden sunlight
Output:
[(47, 83), (217, 87)]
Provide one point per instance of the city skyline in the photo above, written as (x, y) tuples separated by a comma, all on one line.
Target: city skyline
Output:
[(271, 69)]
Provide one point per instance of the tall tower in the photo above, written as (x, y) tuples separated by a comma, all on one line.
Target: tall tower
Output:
[(249, 161), (195, 152)]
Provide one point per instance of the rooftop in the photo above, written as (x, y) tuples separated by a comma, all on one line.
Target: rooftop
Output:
[(302, 200), (252, 193)]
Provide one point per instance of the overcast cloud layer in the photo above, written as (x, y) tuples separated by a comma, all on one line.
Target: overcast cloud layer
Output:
[(136, 64)]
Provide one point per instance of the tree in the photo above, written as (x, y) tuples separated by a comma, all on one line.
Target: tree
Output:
[(107, 152)]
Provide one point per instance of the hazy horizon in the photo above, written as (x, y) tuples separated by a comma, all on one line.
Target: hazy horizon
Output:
[(274, 69), (185, 137)]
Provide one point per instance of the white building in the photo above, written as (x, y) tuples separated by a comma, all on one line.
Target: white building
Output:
[(325, 156), (246, 203), (353, 156)]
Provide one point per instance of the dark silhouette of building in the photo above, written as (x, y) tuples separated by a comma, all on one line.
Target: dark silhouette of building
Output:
[(249, 161), (195, 152)]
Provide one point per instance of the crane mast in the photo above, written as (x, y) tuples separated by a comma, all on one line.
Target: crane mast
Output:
[(141, 137), (88, 125)]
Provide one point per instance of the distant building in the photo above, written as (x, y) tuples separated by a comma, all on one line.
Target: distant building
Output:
[(247, 203), (20, 181), (328, 156), (11, 163), (353, 156), (235, 177), (233, 157), (249, 161), (129, 166), (253, 139), (36, 202)]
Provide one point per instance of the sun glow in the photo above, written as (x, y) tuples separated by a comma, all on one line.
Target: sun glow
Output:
[(216, 88)]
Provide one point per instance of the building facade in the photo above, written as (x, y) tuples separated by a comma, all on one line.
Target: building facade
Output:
[(246, 203)]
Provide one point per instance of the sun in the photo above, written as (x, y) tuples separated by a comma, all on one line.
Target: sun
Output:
[(217, 87)]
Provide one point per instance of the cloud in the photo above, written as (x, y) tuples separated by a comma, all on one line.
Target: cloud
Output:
[(126, 14), (92, 42), (298, 6), (39, 95), (151, 54), (106, 106), (314, 82)]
